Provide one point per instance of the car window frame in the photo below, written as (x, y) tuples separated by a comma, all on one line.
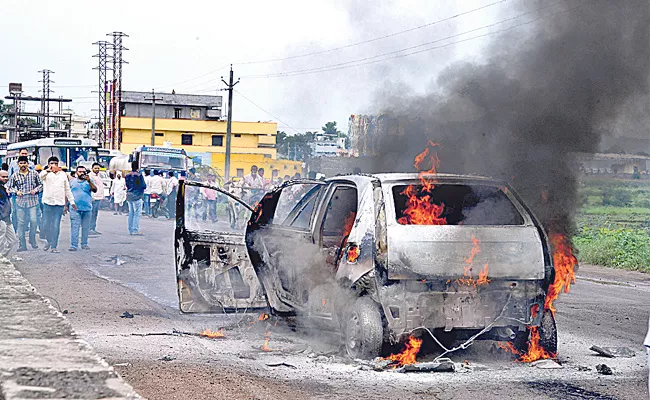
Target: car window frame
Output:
[(317, 231)]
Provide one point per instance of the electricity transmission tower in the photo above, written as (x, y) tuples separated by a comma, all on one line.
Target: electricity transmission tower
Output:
[(102, 67), (45, 100), (116, 133)]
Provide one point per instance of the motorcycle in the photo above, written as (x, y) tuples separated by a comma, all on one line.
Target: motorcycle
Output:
[(156, 205)]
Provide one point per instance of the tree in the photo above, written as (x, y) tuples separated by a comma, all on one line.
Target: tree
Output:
[(294, 147), (330, 130), (3, 109)]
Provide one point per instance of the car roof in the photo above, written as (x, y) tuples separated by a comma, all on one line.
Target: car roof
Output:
[(395, 177)]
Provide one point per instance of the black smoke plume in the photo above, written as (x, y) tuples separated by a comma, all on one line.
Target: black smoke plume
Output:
[(546, 90)]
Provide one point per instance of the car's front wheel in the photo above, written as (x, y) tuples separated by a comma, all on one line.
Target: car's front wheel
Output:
[(363, 329)]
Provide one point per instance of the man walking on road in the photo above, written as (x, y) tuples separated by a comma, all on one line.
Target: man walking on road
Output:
[(172, 189), (82, 188), (7, 235), (98, 196), (25, 185), (56, 189), (147, 192), (13, 168), (135, 187)]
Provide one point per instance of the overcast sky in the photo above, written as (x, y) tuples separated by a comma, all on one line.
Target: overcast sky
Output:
[(187, 46)]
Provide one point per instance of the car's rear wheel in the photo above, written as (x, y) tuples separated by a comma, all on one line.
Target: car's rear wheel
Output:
[(548, 332), (363, 329), (547, 335)]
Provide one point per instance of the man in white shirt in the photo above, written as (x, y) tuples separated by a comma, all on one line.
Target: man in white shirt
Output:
[(98, 196), (172, 189), (252, 185), (56, 189), (147, 192), (156, 184)]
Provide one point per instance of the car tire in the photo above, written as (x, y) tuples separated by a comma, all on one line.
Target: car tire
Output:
[(548, 332), (547, 335), (363, 329)]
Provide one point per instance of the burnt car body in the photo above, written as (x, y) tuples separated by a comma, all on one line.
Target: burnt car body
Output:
[(339, 255), (213, 271)]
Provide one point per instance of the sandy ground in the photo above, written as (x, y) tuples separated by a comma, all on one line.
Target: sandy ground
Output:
[(605, 307)]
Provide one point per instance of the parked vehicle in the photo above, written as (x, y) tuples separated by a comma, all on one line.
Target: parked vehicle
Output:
[(349, 255)]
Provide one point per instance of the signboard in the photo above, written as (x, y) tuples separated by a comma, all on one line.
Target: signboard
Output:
[(67, 142), (15, 87), (168, 150)]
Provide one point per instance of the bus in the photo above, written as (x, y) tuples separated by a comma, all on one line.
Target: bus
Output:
[(160, 158), (70, 151), (106, 155)]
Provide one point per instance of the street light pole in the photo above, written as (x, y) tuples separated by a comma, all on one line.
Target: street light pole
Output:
[(153, 116), (229, 87)]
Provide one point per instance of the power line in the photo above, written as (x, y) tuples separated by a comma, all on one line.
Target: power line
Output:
[(395, 54), (195, 78), (377, 38), (268, 112), (334, 48)]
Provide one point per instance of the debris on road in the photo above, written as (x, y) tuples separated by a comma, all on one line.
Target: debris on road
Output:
[(282, 364), (167, 358), (546, 364), (603, 369), (116, 260), (442, 365), (126, 314), (212, 335), (613, 352)]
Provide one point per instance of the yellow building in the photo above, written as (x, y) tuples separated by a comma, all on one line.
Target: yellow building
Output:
[(193, 123)]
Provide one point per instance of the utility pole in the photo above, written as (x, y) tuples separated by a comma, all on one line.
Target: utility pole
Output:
[(229, 87), (153, 115), (45, 101)]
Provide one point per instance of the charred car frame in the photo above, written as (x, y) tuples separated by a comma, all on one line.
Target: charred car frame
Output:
[(340, 254)]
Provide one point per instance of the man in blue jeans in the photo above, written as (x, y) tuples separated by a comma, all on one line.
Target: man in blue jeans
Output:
[(135, 187), (25, 185), (82, 188), (56, 189)]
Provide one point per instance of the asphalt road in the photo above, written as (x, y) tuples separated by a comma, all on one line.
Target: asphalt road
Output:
[(605, 307)]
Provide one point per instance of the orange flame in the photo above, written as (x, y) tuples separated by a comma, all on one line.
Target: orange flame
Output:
[(407, 356), (348, 223), (467, 278), (535, 351), (212, 335), (420, 209), (267, 338), (263, 317), (565, 264)]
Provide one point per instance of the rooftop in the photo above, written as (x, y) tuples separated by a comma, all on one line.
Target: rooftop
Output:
[(175, 99)]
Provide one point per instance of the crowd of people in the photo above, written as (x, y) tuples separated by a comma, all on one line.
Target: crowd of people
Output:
[(34, 199)]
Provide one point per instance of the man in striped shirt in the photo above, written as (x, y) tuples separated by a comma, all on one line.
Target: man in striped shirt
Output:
[(26, 185)]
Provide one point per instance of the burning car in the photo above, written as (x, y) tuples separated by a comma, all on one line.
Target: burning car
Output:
[(381, 257)]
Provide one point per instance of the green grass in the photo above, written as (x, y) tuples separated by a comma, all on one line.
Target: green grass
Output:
[(613, 223), (618, 248)]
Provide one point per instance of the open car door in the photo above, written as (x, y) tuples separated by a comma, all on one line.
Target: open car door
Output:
[(213, 270)]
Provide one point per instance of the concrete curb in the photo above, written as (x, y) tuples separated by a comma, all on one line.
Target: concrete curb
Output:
[(40, 355)]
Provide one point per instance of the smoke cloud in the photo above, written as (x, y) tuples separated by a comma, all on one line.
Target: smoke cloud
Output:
[(546, 90)]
